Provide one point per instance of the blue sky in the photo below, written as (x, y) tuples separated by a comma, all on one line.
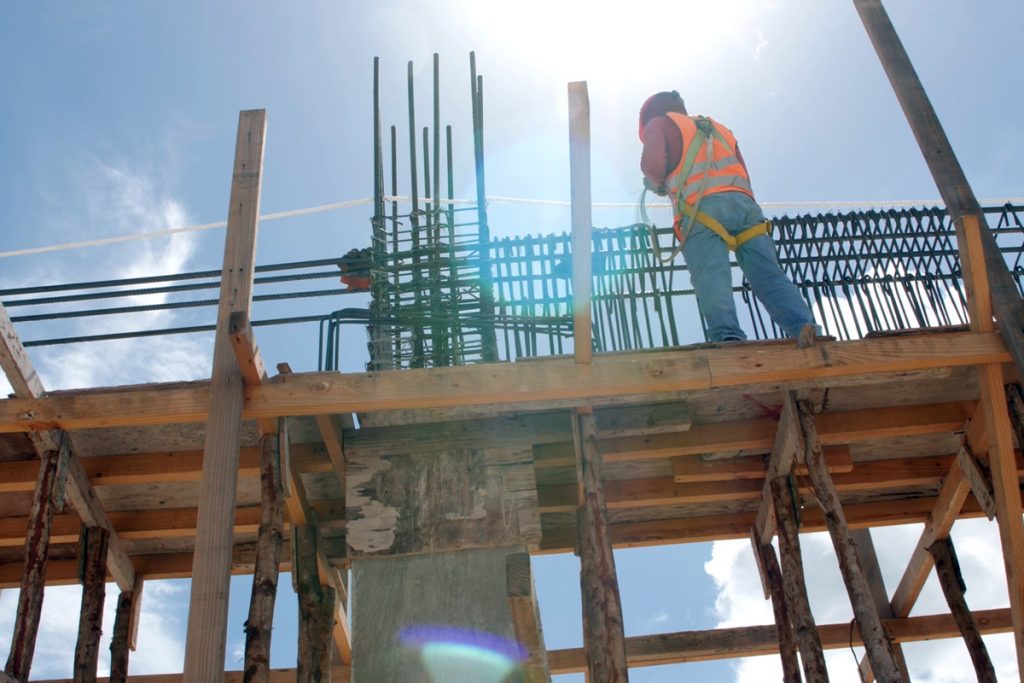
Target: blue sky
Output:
[(119, 118)]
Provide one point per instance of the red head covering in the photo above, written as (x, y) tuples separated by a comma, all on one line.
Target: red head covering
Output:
[(659, 104)]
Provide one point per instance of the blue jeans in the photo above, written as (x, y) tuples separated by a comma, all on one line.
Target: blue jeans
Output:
[(707, 257)]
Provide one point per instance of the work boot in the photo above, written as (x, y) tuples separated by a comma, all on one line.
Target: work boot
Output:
[(805, 339)]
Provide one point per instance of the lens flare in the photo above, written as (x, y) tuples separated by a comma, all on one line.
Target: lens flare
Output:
[(456, 654)]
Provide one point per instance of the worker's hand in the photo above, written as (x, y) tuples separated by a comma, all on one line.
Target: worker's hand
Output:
[(660, 191)]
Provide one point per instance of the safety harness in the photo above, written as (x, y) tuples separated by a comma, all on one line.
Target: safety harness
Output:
[(705, 136)]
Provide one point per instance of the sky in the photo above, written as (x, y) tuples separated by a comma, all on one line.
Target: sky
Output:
[(118, 118)]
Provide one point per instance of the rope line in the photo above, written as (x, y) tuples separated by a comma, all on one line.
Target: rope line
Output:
[(491, 199)]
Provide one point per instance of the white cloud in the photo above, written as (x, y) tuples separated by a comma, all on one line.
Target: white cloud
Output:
[(160, 649), (740, 602), (126, 200)]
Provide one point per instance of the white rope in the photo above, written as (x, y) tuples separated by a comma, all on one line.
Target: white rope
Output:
[(491, 199)]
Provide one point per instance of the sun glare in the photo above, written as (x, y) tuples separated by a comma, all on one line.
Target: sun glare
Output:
[(612, 40)]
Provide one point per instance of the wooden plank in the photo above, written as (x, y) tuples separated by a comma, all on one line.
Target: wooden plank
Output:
[(247, 352), (1006, 484), (208, 600), (771, 575), (174, 565), (689, 469), (642, 420), (90, 620), (794, 587), (126, 630), (132, 525), (83, 497), (34, 568), (750, 641), (980, 255), (316, 610), (250, 362), (786, 451), (737, 525), (119, 640), (513, 385), (865, 546), (169, 565), (133, 468), (981, 485), (603, 634), (259, 625), (843, 427), (877, 641), (339, 673), (872, 475), (299, 512), (333, 437), (948, 570), (15, 361), (582, 222), (89, 507), (522, 604), (947, 507)]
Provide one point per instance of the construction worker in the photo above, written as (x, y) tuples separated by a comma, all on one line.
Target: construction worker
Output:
[(715, 212)]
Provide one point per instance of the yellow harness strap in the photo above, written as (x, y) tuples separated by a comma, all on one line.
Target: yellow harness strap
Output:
[(762, 228)]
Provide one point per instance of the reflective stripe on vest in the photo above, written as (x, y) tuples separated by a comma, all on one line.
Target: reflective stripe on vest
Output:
[(722, 173)]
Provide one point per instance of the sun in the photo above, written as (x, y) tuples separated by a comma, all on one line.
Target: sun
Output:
[(612, 41)]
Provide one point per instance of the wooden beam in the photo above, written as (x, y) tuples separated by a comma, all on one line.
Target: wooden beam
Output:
[(27, 385), (947, 507), (560, 539), (865, 547), (948, 570), (208, 600), (787, 450), (536, 383), (624, 494), (794, 587), (750, 641), (981, 484), (47, 495), (876, 640), (870, 475), (603, 634), (522, 603), (259, 625), (15, 361), (338, 673), (126, 630), (130, 468), (1006, 484), (250, 362), (247, 352), (119, 639), (771, 575), (582, 222), (964, 210), (333, 435), (844, 427), (644, 420), (94, 592), (131, 525), (299, 512), (316, 610)]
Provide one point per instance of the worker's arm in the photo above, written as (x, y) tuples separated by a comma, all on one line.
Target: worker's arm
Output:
[(654, 162)]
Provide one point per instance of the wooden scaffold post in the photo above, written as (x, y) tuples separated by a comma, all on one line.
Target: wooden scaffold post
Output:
[(211, 568), (94, 593)]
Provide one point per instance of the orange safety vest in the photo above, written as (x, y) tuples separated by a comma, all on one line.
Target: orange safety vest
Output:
[(724, 172), (697, 176)]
